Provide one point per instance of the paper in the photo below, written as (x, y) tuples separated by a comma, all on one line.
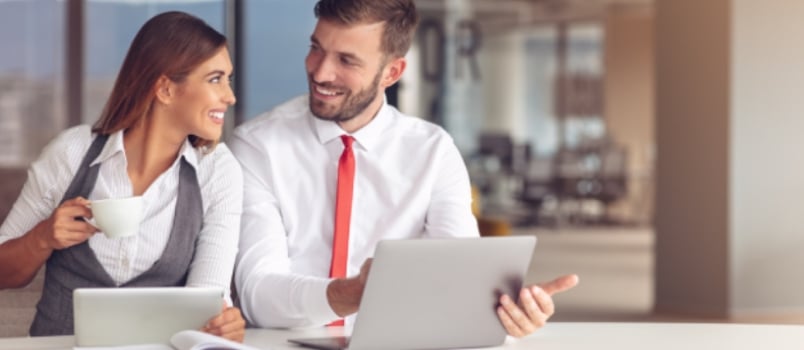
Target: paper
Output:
[(196, 340), (184, 340), (127, 347)]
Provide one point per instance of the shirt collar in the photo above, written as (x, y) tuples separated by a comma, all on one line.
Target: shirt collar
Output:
[(189, 153), (367, 136), (114, 146)]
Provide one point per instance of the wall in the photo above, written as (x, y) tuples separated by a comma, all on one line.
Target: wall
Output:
[(692, 135), (767, 105), (628, 88), (729, 184)]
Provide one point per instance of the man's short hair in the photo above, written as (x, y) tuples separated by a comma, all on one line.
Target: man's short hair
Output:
[(399, 16)]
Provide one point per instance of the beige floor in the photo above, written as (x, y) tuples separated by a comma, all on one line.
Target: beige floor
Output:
[(615, 266), (615, 269)]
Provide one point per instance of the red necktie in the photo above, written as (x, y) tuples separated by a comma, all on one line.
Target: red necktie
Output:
[(343, 212)]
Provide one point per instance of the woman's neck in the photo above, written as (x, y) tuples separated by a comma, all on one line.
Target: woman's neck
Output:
[(150, 150)]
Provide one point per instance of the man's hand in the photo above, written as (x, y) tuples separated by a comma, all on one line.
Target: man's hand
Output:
[(535, 306), (228, 324), (344, 294)]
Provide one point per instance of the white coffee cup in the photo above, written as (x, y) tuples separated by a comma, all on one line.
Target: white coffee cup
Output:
[(118, 217)]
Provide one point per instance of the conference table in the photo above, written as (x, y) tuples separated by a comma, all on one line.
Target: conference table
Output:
[(556, 335)]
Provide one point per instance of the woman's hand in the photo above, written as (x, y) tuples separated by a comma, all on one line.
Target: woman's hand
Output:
[(66, 227), (22, 257), (228, 324)]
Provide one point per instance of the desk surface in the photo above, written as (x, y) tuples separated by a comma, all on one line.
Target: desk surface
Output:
[(556, 335)]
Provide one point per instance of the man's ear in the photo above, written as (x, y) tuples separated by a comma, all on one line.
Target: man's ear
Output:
[(393, 71), (164, 89)]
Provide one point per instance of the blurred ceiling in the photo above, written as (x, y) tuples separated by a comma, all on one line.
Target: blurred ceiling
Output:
[(525, 12)]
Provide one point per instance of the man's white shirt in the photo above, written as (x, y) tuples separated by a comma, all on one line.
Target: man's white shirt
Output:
[(410, 182)]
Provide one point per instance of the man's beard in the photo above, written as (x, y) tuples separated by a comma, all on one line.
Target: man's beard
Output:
[(352, 106)]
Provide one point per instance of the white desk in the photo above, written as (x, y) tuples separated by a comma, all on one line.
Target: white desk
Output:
[(557, 335)]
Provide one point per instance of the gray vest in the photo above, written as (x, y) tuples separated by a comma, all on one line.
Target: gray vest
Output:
[(78, 267)]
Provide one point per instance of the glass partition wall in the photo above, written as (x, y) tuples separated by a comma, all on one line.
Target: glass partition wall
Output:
[(519, 86)]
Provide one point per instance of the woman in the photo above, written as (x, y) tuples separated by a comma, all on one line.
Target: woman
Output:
[(156, 138)]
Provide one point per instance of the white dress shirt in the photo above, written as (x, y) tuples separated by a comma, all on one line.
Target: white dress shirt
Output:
[(410, 182), (219, 178)]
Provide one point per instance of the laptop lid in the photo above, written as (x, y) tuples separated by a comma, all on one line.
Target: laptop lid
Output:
[(437, 293), (127, 316)]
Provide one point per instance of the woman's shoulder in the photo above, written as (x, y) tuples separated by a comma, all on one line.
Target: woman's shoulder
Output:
[(59, 161), (76, 134), (220, 159), (219, 175), (71, 141)]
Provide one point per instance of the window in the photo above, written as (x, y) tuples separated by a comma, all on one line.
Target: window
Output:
[(32, 108), (275, 43), (109, 29)]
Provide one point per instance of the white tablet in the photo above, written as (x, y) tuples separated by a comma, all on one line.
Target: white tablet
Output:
[(127, 316)]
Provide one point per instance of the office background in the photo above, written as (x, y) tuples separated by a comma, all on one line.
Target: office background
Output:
[(650, 144)]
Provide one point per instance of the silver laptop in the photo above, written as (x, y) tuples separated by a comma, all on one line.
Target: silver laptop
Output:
[(435, 294), (128, 316)]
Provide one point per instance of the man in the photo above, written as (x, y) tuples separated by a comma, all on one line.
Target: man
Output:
[(342, 151)]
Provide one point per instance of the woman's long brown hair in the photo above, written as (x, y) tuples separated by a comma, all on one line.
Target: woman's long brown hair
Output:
[(171, 44)]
